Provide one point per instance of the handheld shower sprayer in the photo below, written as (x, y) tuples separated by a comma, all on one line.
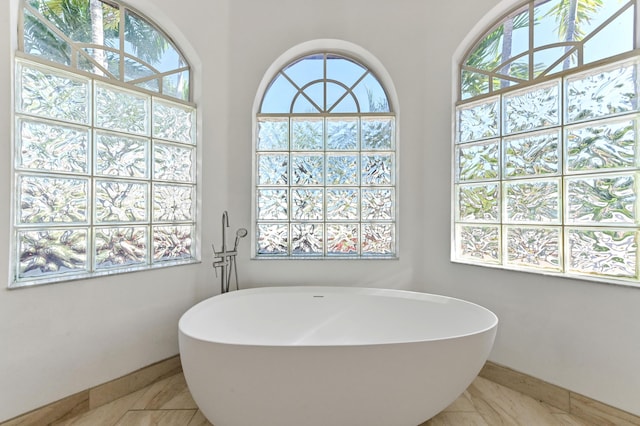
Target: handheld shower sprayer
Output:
[(240, 233)]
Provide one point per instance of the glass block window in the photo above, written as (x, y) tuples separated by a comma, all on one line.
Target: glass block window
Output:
[(104, 166), (546, 147), (325, 163), (106, 39)]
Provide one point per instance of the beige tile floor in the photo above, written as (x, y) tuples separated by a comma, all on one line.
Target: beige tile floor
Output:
[(169, 403)]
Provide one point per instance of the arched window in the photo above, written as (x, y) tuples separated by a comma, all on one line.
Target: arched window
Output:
[(105, 144), (546, 152), (325, 160)]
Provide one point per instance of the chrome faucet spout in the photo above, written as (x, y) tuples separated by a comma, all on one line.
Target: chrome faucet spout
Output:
[(225, 225)]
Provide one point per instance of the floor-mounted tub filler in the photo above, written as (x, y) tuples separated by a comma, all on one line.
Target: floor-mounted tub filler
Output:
[(305, 356)]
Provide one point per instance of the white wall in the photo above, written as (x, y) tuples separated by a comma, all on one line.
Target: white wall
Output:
[(59, 339), (67, 337)]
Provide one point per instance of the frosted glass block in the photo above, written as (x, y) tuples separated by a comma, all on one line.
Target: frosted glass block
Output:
[(378, 133), (120, 201), (532, 155), (173, 163), (532, 109), (535, 202), (307, 169), (607, 199), (378, 239), (342, 204), (52, 252), (307, 204), (602, 252), (478, 243), (273, 134), (173, 203), (342, 239), (478, 203), (122, 110), (307, 134), (172, 243), (602, 92), (173, 122), (273, 239), (273, 204), (478, 161), (342, 169), (342, 133), (378, 169), (120, 155), (377, 204), (45, 92), (478, 121), (46, 200), (120, 246), (602, 145), (534, 247), (306, 239), (48, 146), (273, 169)]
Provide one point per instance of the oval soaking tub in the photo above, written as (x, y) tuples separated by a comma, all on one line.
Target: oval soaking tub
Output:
[(305, 356)]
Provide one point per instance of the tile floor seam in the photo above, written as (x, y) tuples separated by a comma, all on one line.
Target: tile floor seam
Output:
[(119, 419)]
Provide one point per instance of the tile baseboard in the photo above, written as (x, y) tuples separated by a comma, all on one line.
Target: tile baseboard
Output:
[(573, 403), (89, 399), (578, 405)]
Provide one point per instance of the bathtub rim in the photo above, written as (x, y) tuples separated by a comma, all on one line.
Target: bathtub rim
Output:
[(388, 292)]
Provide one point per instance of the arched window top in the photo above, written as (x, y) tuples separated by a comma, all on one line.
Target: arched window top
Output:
[(108, 39), (324, 83), (546, 37)]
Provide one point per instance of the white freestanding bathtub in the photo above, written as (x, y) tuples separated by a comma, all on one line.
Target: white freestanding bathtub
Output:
[(331, 356)]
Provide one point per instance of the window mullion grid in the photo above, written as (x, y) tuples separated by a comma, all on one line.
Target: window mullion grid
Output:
[(349, 212), (124, 13), (151, 182), (92, 155), (563, 171), (359, 168), (91, 221), (324, 82)]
